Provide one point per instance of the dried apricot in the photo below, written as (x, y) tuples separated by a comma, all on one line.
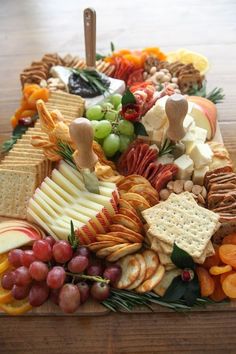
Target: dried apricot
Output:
[(224, 275), (41, 93), (206, 282), (212, 260), (227, 254), (29, 89), (217, 270), (218, 294), (14, 121), (229, 239), (229, 286), (28, 113)]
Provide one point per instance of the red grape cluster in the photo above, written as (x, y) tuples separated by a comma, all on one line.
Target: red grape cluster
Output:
[(53, 270)]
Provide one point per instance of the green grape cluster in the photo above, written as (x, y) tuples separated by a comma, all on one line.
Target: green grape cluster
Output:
[(111, 131)]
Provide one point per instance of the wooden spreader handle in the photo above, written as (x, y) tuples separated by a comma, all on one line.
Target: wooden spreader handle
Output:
[(176, 109), (90, 37), (81, 132)]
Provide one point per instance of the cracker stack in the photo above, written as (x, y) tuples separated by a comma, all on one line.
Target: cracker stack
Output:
[(70, 106), (181, 220), (21, 171)]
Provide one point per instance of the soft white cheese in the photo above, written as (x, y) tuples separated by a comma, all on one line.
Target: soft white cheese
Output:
[(201, 154), (188, 122), (189, 140), (185, 167), (201, 134), (199, 174), (168, 158)]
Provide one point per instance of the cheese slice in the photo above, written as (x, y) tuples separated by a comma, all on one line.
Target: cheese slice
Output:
[(185, 167), (199, 174), (12, 239), (201, 154)]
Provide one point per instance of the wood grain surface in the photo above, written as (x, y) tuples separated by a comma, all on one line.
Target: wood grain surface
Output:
[(30, 28)]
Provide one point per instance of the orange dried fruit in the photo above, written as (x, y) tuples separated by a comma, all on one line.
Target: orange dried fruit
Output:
[(29, 89), (218, 294), (18, 113), (16, 307), (227, 254), (212, 260), (217, 270), (229, 239), (229, 286), (14, 121), (224, 275), (206, 282), (41, 93), (28, 113)]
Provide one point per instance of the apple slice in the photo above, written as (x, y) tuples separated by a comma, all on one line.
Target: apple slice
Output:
[(16, 234)]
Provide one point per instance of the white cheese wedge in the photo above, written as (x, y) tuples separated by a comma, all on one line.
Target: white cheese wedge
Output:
[(189, 140), (201, 154), (156, 117), (185, 167), (11, 239), (201, 134), (188, 122), (199, 174)]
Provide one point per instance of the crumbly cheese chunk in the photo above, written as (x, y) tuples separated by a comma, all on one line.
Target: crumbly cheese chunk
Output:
[(185, 167), (199, 174), (201, 154)]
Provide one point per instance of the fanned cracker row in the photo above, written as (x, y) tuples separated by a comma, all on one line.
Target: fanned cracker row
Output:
[(182, 221)]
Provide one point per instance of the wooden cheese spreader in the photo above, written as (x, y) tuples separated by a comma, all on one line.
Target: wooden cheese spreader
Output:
[(176, 109), (81, 132)]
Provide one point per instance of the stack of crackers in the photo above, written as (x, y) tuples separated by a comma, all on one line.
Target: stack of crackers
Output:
[(21, 171), (182, 221), (70, 106)]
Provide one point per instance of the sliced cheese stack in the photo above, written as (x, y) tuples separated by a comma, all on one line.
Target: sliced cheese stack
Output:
[(64, 198)]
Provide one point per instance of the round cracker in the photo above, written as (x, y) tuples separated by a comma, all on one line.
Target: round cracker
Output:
[(110, 238), (106, 251), (128, 249), (122, 228), (126, 221), (130, 271), (135, 179), (150, 283), (152, 262), (165, 282), (141, 276), (96, 246), (132, 215), (126, 205)]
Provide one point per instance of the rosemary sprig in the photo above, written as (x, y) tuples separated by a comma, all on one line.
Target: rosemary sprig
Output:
[(166, 148), (216, 95), (128, 300), (66, 152)]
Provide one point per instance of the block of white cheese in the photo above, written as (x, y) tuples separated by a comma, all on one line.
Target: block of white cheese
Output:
[(63, 73), (189, 140), (165, 159), (201, 134), (199, 174), (185, 167), (188, 123), (201, 154), (155, 117)]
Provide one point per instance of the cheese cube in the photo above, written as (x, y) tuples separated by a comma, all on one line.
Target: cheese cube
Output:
[(199, 174), (201, 134), (189, 140), (188, 122), (185, 167), (201, 154)]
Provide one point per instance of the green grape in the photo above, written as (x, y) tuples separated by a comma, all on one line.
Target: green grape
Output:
[(116, 99), (124, 142), (119, 108), (102, 129), (111, 145), (107, 106), (111, 115), (125, 127), (94, 123), (94, 113)]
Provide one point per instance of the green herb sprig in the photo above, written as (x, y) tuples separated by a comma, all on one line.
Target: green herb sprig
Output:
[(167, 147), (216, 95), (66, 152), (94, 79), (127, 300)]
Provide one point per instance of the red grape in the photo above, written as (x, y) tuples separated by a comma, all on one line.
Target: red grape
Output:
[(27, 257), (113, 273), (78, 264), (26, 122), (82, 251), (42, 250), (62, 251), (38, 270), (100, 291), (8, 280), (94, 270), (54, 295), (14, 257), (56, 277), (22, 276), (38, 294), (84, 291), (20, 292), (50, 240), (69, 298)]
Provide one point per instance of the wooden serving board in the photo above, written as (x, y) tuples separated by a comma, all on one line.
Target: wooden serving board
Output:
[(93, 308)]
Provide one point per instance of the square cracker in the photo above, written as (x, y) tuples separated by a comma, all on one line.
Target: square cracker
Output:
[(180, 220), (16, 188)]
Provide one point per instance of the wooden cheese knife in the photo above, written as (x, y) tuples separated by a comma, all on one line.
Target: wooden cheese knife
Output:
[(176, 109)]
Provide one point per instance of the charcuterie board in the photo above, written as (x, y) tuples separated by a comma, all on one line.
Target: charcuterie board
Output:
[(117, 192)]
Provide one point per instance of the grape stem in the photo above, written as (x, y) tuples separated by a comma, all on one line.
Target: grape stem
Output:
[(89, 277)]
